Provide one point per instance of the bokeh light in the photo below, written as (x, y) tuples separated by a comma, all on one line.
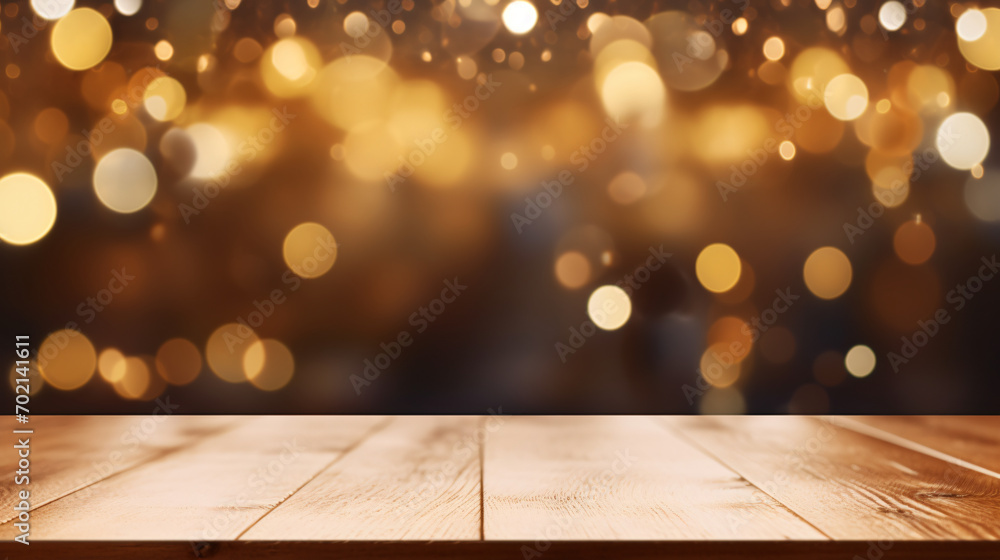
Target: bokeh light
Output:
[(125, 180), (268, 364), (914, 242), (718, 267), (846, 97), (982, 49), (860, 361), (309, 250), (572, 269), (225, 348), (519, 17), (963, 140), (81, 39), (609, 307), (178, 361), (827, 272), (27, 208), (67, 359)]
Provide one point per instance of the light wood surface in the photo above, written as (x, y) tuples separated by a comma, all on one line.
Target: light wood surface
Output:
[(417, 479), (511, 487), (619, 477), (849, 485)]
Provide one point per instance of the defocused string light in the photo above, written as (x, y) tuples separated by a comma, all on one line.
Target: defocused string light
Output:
[(892, 15), (27, 208), (718, 267), (519, 17), (860, 361), (52, 9), (609, 307), (67, 359), (309, 250), (827, 272), (125, 180), (81, 39), (963, 140)]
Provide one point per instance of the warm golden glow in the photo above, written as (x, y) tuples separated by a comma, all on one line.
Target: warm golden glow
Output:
[(178, 361), (268, 364), (892, 15), (860, 361), (27, 209), (914, 242), (225, 348), (846, 97), (519, 17), (718, 267), (626, 188), (111, 365), (572, 269), (164, 98), (963, 140), (718, 366), (125, 181), (309, 250), (774, 48), (983, 50), (609, 307), (827, 272), (66, 359), (81, 39), (289, 67)]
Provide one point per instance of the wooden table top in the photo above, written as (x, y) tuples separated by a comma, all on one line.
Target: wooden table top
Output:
[(509, 486)]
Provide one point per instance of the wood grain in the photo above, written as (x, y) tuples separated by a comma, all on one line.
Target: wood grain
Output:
[(581, 478), (974, 439), (849, 485), (211, 490), (69, 453), (418, 479)]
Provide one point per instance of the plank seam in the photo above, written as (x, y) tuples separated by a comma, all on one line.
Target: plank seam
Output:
[(482, 481), (151, 459), (899, 441), (679, 433), (364, 437)]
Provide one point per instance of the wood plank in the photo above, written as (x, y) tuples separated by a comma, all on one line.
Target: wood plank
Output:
[(212, 490), (511, 550), (849, 485), (418, 479), (973, 439), (69, 453), (618, 477)]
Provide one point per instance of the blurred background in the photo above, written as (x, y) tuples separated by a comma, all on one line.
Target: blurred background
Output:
[(331, 206)]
